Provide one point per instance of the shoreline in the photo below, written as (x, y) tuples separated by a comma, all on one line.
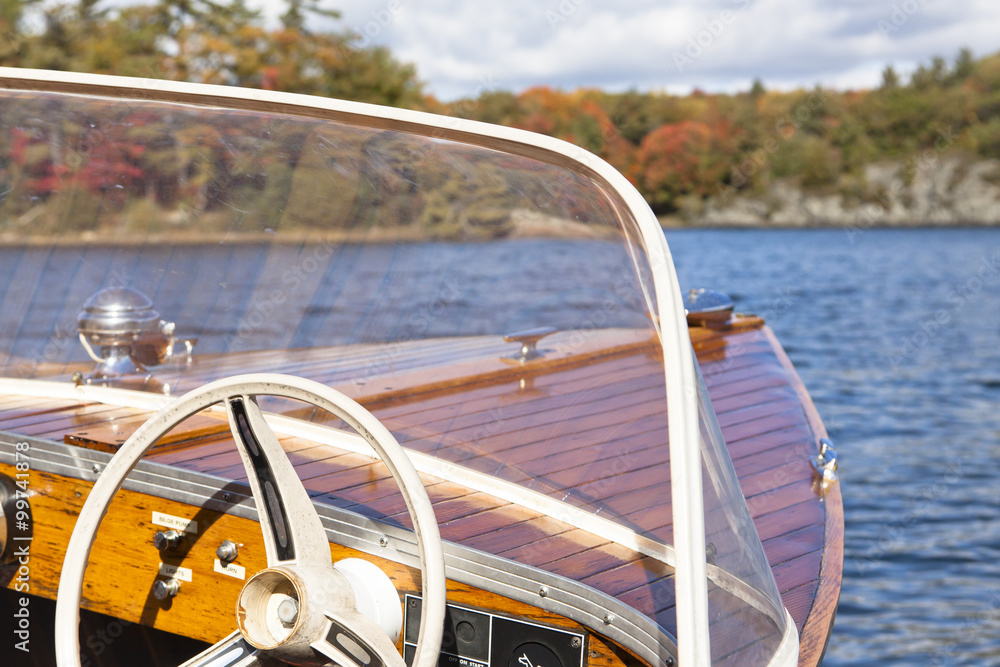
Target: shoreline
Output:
[(673, 223), (389, 236)]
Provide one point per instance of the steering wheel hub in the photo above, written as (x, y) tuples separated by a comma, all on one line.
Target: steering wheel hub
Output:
[(267, 611)]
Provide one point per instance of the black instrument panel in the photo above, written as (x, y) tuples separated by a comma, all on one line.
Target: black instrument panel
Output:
[(476, 638)]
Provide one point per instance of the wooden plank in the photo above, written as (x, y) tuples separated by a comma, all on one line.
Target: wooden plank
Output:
[(594, 561), (553, 548), (109, 436), (56, 426)]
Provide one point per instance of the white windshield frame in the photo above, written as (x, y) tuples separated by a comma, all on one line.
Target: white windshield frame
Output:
[(679, 363)]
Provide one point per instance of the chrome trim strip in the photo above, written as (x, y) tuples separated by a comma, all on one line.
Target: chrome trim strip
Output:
[(566, 597)]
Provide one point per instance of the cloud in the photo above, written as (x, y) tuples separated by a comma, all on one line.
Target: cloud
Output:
[(462, 47)]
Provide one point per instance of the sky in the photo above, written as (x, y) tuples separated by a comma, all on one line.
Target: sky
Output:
[(462, 48)]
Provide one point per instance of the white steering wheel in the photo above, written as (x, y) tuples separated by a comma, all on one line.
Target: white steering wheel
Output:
[(322, 625)]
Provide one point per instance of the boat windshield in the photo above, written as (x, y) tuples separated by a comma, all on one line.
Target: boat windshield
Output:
[(491, 300)]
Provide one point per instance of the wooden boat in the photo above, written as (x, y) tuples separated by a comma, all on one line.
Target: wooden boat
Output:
[(250, 414)]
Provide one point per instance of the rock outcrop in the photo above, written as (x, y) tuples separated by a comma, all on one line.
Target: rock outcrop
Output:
[(946, 190)]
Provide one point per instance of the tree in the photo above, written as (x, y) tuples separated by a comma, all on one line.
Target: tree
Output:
[(964, 66), (294, 17), (679, 159), (890, 80)]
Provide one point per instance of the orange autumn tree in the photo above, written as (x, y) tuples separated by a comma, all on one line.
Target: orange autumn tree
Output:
[(682, 159), (577, 117)]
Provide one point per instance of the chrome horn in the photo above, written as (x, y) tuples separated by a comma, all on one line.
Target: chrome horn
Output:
[(129, 336)]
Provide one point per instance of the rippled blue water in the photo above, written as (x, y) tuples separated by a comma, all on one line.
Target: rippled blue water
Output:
[(896, 333)]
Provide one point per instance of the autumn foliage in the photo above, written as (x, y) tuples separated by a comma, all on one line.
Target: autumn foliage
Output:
[(679, 151), (680, 159)]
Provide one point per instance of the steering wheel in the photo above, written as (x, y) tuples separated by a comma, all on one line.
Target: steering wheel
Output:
[(321, 625)]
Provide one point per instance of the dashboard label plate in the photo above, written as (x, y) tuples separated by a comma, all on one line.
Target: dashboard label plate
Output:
[(175, 572), (231, 569), (175, 522)]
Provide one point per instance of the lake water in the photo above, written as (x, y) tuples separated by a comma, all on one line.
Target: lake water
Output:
[(896, 333)]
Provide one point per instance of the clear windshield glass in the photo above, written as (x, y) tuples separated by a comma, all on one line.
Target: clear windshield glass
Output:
[(492, 309)]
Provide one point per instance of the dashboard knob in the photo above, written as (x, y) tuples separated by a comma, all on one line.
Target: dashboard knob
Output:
[(166, 589), (167, 539), (227, 551)]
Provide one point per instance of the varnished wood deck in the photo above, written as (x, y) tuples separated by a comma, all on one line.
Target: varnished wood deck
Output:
[(548, 429)]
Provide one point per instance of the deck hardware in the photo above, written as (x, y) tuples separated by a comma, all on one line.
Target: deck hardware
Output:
[(166, 589), (575, 642), (529, 341), (707, 308), (227, 551), (124, 335), (77, 378), (383, 541), (96, 469), (609, 619), (288, 611), (543, 591), (825, 463), (165, 540)]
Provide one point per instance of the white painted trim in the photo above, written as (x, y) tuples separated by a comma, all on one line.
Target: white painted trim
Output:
[(788, 650)]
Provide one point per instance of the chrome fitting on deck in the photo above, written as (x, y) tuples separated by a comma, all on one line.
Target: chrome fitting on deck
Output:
[(129, 337)]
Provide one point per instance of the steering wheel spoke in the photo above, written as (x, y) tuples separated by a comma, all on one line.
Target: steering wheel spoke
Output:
[(233, 651), (292, 530), (348, 648)]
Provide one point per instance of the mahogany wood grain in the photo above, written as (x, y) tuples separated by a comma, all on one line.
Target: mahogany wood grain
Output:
[(554, 437), (124, 564)]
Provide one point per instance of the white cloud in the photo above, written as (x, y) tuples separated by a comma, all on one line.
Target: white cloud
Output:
[(460, 46)]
